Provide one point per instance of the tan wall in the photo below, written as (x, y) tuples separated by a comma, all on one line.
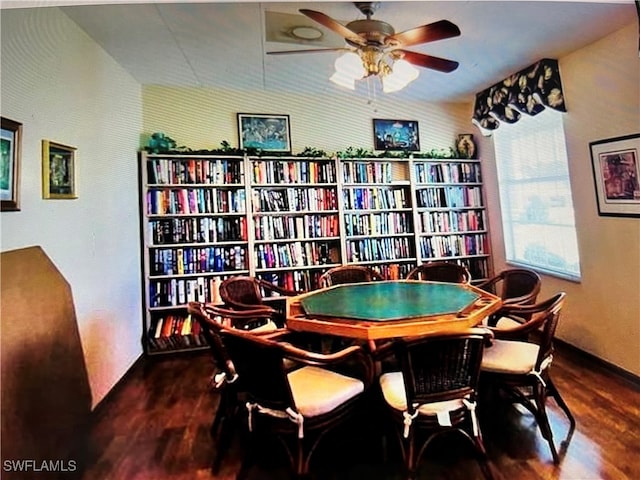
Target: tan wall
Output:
[(602, 314), (201, 118)]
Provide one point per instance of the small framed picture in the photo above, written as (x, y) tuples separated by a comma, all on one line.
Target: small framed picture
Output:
[(396, 135), (58, 171), (10, 143), (269, 133), (465, 146), (616, 169)]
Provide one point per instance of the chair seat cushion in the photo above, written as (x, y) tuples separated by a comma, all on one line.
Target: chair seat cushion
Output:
[(392, 386), (508, 356), (317, 390)]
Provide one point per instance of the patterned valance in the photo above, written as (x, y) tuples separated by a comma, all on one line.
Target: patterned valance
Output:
[(529, 91)]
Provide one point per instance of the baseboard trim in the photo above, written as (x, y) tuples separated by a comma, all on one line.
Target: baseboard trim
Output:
[(633, 379)]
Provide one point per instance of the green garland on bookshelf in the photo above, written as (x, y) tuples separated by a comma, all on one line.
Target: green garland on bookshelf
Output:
[(161, 143)]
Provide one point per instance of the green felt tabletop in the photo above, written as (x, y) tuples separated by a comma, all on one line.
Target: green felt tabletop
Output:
[(391, 300)]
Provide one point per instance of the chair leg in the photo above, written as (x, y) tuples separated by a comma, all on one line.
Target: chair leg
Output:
[(223, 441), (561, 403), (539, 397)]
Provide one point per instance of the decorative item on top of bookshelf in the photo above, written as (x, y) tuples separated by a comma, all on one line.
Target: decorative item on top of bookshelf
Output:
[(58, 171), (10, 164), (268, 133), (616, 170), (398, 135), (466, 146)]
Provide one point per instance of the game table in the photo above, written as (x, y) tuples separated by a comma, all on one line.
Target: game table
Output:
[(388, 309)]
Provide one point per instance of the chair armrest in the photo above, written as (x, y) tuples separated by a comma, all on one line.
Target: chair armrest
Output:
[(516, 312), (241, 318), (350, 360), (488, 285)]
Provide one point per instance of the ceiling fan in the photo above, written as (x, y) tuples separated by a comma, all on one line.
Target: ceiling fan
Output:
[(377, 45)]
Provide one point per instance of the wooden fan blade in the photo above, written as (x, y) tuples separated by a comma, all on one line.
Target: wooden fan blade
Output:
[(312, 50), (426, 33), (331, 24), (428, 61)]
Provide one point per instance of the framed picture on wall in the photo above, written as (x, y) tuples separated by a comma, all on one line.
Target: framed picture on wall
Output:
[(616, 170), (269, 133), (10, 143), (58, 171), (396, 135)]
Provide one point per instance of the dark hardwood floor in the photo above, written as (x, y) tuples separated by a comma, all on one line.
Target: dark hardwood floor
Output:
[(155, 425)]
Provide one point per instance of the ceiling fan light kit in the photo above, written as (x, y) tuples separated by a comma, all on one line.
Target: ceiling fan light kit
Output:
[(376, 50)]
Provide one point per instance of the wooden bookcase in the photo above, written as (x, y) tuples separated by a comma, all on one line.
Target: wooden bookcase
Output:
[(377, 212), (194, 224), (450, 214), (296, 227), (289, 219)]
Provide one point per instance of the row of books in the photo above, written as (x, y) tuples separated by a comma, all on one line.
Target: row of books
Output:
[(449, 197), (295, 280), (452, 221), (374, 198), (394, 271), (299, 227), (195, 200), (453, 245), (302, 171), (169, 231), (294, 254), (191, 260), (478, 267), (366, 172), (177, 292), (448, 173), (166, 171), (386, 223), (378, 249), (172, 332), (294, 199)]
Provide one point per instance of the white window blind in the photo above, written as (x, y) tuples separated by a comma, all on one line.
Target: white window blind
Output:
[(535, 195)]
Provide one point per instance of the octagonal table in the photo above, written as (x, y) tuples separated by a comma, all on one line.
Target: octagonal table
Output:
[(388, 309)]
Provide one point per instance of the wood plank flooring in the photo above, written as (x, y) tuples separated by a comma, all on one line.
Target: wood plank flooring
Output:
[(155, 425)]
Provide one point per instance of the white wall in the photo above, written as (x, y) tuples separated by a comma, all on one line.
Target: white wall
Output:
[(62, 87), (602, 315)]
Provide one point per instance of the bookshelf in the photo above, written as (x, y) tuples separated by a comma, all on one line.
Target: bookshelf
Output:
[(289, 219), (194, 235), (377, 213), (450, 213), (296, 234)]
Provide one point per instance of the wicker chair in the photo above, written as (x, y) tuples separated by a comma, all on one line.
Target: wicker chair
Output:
[(224, 379), (520, 369), (436, 391), (440, 272), (516, 286), (298, 405), (246, 293), (348, 274)]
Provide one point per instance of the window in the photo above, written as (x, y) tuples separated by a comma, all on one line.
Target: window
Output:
[(535, 194)]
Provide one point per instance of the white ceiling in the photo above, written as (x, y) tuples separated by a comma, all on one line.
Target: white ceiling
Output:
[(223, 44)]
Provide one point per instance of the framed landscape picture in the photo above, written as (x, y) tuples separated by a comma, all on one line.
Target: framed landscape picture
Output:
[(58, 171), (396, 135), (616, 169), (10, 144), (269, 133)]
